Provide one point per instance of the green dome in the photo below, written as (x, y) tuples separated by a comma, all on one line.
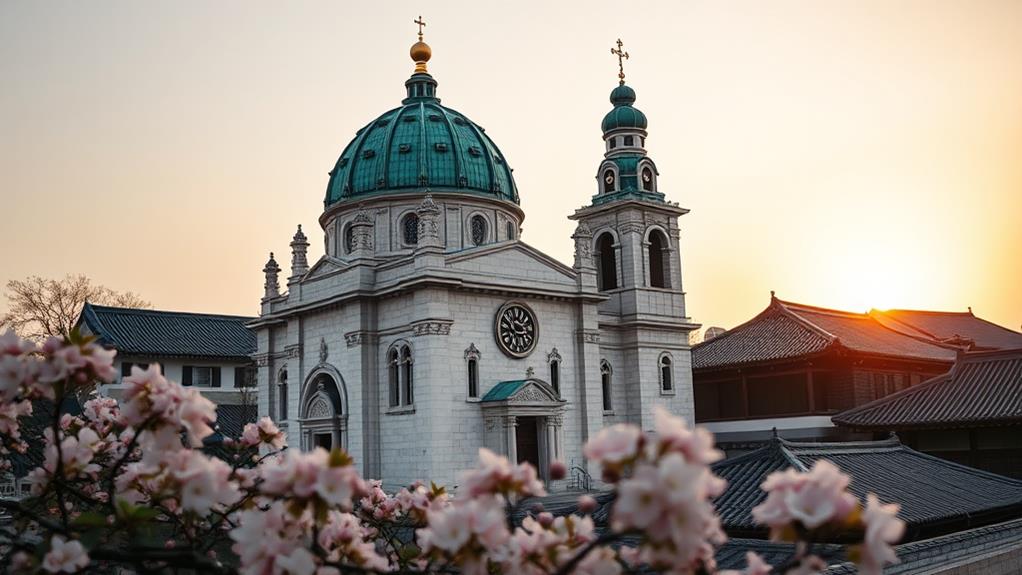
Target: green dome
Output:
[(624, 115), (420, 145)]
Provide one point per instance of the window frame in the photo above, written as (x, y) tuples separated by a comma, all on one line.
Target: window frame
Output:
[(607, 386), (665, 368), (403, 229)]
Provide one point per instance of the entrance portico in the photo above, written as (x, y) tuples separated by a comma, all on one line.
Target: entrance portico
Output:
[(524, 421)]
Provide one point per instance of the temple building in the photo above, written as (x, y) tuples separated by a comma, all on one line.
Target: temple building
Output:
[(429, 329), (793, 366)]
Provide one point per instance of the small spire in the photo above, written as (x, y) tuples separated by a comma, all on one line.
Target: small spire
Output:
[(773, 295), (621, 57), (299, 249), (271, 288)]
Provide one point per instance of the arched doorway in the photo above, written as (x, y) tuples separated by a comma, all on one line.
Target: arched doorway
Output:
[(324, 419)]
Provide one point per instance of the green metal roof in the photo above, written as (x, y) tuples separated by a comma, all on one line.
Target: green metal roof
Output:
[(624, 114), (504, 390), (420, 145)]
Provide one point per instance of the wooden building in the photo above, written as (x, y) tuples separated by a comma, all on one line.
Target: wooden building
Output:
[(793, 366), (971, 415)]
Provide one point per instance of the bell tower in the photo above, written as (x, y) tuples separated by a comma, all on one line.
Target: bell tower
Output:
[(644, 329)]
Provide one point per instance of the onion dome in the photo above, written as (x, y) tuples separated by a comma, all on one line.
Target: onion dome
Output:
[(420, 145), (624, 114)]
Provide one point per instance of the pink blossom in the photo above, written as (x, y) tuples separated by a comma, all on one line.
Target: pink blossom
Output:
[(814, 498), (883, 528), (300, 562), (495, 474), (264, 432), (674, 435), (558, 470), (587, 504), (615, 444), (65, 556)]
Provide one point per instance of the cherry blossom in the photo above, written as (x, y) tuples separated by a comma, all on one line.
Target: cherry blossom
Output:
[(65, 556), (883, 528)]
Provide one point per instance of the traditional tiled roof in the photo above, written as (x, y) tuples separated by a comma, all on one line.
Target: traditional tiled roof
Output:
[(153, 333), (950, 327), (32, 428), (983, 388), (936, 496), (787, 330)]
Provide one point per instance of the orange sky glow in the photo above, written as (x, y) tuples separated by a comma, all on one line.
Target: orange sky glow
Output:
[(845, 154)]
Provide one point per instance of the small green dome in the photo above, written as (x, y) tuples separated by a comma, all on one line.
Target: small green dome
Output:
[(420, 145), (624, 115)]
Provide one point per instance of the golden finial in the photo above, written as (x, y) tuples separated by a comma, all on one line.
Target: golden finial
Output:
[(420, 51), (621, 57)]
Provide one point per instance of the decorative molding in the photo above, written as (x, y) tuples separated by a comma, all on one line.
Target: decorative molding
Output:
[(553, 356), (630, 227), (529, 395), (555, 419), (432, 327), (472, 352), (261, 359), (293, 351), (589, 335), (320, 409), (354, 338), (530, 372)]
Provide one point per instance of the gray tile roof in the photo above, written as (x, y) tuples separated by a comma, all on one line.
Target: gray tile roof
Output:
[(153, 333), (950, 327), (983, 388), (787, 330), (936, 496)]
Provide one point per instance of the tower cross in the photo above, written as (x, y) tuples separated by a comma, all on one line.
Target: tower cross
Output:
[(421, 23), (621, 57)]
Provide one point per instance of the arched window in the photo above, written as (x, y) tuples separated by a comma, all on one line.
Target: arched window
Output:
[(408, 386), (613, 143), (657, 259), (666, 374), (607, 261), (510, 230), (477, 226), (282, 395), (349, 239), (609, 181), (473, 378), (472, 362), (555, 375), (410, 230), (647, 179), (629, 140), (392, 379), (605, 374)]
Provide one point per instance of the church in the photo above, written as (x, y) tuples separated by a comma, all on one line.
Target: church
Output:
[(429, 329)]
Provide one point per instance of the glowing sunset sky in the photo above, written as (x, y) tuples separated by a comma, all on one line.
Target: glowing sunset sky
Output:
[(846, 154)]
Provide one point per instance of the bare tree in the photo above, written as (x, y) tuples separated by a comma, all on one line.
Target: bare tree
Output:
[(41, 307)]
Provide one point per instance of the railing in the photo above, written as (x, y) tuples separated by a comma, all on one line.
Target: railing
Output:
[(580, 479)]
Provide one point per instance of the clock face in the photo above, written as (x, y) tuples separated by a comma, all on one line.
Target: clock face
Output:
[(646, 176), (516, 329), (609, 178)]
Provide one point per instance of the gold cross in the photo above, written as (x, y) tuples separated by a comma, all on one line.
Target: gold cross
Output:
[(621, 57), (421, 23)]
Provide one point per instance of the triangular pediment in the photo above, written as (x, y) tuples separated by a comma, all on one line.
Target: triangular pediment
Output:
[(522, 391), (325, 266), (512, 260)]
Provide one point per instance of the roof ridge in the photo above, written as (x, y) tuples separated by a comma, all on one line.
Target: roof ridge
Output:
[(146, 311), (928, 311), (904, 323), (783, 306), (821, 309)]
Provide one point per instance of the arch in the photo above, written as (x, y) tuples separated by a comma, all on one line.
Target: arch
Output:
[(326, 383), (606, 261), (666, 368), (606, 375), (647, 178), (478, 229), (554, 359), (472, 365), (658, 250), (349, 238), (510, 230), (401, 383), (409, 229), (282, 393), (609, 178)]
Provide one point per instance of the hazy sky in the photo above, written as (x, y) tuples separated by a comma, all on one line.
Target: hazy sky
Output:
[(850, 154)]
